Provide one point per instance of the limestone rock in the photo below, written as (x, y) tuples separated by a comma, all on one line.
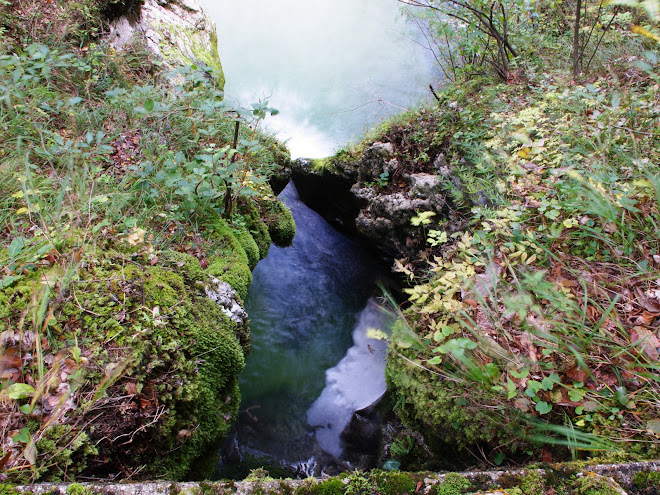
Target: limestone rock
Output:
[(222, 293), (177, 31), (377, 159)]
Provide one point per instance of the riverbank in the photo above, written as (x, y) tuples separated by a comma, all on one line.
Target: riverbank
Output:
[(523, 218)]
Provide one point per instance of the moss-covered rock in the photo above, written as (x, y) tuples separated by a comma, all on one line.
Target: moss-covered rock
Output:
[(162, 364), (250, 247), (437, 409), (453, 484), (281, 225), (230, 261), (333, 486), (182, 35)]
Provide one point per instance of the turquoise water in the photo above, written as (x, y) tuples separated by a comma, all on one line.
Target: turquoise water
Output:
[(304, 305), (332, 69)]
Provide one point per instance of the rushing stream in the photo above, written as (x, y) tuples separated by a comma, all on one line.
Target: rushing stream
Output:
[(332, 69), (308, 304)]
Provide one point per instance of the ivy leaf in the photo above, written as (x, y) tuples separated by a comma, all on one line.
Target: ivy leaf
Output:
[(435, 360), (543, 407), (23, 436)]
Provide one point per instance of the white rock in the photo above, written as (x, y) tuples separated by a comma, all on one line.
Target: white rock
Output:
[(225, 297)]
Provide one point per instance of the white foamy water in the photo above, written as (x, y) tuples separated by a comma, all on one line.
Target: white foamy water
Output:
[(356, 382), (332, 69)]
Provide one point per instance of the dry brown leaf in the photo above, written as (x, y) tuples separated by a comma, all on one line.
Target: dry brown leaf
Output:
[(652, 305), (647, 339), (577, 374), (10, 361), (522, 404), (646, 318)]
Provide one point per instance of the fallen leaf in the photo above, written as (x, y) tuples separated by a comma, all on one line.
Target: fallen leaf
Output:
[(646, 318), (653, 426), (523, 404), (546, 456), (9, 361), (648, 340), (577, 374), (30, 452), (136, 237)]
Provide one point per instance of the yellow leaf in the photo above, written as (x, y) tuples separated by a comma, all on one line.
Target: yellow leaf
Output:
[(136, 237), (18, 194), (22, 211), (524, 153), (644, 32)]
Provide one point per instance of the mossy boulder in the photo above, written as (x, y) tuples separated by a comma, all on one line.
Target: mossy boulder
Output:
[(281, 226), (153, 379)]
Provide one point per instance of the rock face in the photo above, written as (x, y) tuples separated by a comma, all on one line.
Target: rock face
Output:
[(375, 200), (363, 436), (177, 31)]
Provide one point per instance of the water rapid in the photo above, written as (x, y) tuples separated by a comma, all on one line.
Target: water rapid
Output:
[(314, 360)]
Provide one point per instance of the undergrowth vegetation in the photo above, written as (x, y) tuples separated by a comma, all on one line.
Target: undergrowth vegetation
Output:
[(128, 195), (532, 333)]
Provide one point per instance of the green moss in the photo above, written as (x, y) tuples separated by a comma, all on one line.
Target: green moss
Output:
[(258, 474), (182, 354), (250, 247), (333, 486), (437, 407), (230, 262), (258, 229), (162, 287), (453, 484), (15, 299), (532, 484), (7, 489), (196, 49), (283, 228), (595, 485), (67, 450), (358, 484), (323, 164), (184, 264), (393, 483), (646, 482), (78, 489), (285, 489)]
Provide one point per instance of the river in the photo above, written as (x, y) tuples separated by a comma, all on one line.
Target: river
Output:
[(332, 69)]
